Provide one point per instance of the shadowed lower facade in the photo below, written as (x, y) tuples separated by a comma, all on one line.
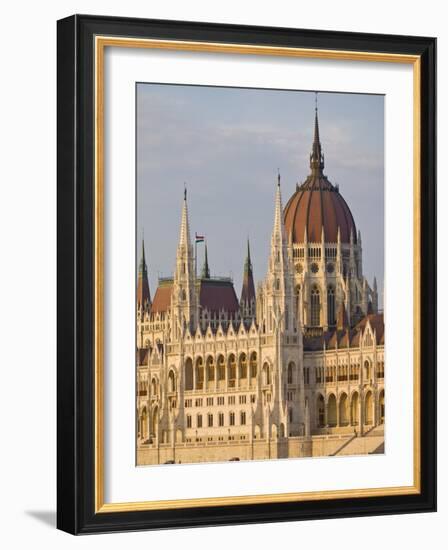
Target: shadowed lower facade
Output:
[(293, 368)]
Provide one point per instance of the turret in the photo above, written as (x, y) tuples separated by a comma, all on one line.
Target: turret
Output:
[(184, 297), (143, 293), (248, 298), (205, 269)]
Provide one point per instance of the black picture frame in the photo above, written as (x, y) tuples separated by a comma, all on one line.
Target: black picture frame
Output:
[(76, 272)]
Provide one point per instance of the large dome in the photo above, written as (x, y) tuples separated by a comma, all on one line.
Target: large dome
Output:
[(317, 204)]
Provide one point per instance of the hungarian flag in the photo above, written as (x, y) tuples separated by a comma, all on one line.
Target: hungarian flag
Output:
[(199, 238)]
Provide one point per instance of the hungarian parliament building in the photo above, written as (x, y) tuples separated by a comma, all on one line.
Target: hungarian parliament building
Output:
[(293, 368)]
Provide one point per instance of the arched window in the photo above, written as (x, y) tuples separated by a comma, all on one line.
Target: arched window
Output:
[(210, 369), (199, 374), (253, 364), (291, 373), (382, 409), (171, 382), (266, 374), (355, 409), (368, 408), (243, 366), (188, 374), (343, 410), (320, 411), (183, 295), (366, 370), (221, 368), (297, 292), (232, 371), (331, 410), (331, 308), (315, 307)]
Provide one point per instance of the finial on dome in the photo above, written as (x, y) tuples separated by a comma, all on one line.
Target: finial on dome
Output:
[(185, 191), (278, 177), (316, 157)]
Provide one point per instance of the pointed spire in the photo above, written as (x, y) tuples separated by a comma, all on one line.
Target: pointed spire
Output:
[(142, 267), (375, 284), (248, 262), (143, 293), (184, 238), (247, 301), (316, 157), (205, 268), (278, 220)]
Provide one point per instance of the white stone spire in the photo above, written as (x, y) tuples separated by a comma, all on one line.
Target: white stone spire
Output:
[(279, 228), (184, 297), (184, 239)]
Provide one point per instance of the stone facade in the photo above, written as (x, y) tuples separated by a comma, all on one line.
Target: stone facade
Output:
[(295, 369)]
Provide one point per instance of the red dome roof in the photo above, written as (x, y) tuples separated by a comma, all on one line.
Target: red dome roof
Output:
[(317, 204)]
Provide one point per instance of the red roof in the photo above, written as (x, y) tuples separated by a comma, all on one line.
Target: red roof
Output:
[(216, 295), (162, 299), (316, 204)]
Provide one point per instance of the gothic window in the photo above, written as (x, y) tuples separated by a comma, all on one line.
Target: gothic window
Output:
[(199, 421), (382, 408), (243, 366), (331, 410), (188, 421), (221, 368), (253, 365), (232, 419), (315, 307), (320, 411), (266, 374), (290, 372), (171, 382), (277, 284), (232, 371), (189, 374), (210, 369), (243, 418), (331, 306), (290, 415), (368, 408), (183, 295), (210, 420)]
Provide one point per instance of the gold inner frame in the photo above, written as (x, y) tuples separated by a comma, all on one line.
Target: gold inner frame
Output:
[(101, 42)]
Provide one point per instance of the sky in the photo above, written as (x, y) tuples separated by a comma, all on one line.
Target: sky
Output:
[(227, 145)]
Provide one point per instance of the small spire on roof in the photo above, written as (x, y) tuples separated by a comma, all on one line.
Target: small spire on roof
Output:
[(206, 269)]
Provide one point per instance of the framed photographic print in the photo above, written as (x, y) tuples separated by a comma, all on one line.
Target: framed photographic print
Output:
[(246, 274)]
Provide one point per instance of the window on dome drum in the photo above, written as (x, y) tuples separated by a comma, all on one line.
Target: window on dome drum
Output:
[(331, 306), (315, 307)]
